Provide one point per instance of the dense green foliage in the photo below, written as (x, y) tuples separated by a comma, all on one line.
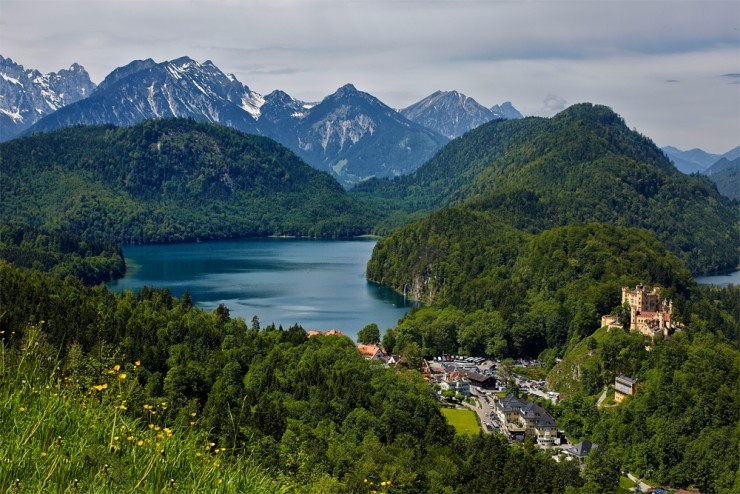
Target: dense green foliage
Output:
[(169, 180), (61, 254), (582, 165), (59, 436), (498, 291), (310, 410), (681, 426), (726, 175)]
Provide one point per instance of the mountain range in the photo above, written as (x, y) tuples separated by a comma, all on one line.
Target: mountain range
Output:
[(350, 133), (26, 95), (722, 169)]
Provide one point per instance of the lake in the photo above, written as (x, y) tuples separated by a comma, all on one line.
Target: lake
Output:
[(720, 279), (319, 284)]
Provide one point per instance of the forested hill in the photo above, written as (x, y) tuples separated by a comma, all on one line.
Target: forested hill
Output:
[(170, 180), (582, 165), (494, 290)]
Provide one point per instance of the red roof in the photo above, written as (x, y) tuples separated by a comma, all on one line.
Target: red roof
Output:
[(369, 350)]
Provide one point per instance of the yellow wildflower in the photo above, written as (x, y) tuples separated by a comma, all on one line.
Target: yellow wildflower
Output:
[(122, 407), (116, 368), (122, 376), (137, 363), (130, 438), (139, 442)]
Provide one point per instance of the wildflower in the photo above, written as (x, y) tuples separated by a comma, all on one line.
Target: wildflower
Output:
[(121, 376), (130, 438), (193, 414), (220, 480), (160, 436), (122, 407), (115, 438), (116, 368), (151, 426), (192, 424), (137, 363), (156, 428), (99, 387), (198, 455), (21, 409), (139, 442), (43, 454), (216, 464)]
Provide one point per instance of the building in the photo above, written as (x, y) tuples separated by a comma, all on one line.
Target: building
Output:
[(623, 387), (371, 352), (582, 449), (480, 380), (648, 314), (522, 417)]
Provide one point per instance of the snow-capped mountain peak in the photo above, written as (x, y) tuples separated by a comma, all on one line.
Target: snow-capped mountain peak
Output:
[(26, 95)]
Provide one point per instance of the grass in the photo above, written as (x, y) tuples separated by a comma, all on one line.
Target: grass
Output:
[(60, 435), (625, 483), (531, 373), (464, 421)]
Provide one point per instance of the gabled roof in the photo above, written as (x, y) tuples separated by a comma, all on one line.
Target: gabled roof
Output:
[(370, 350), (583, 448)]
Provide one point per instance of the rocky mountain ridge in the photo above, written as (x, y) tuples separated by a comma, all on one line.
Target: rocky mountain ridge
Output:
[(26, 95), (350, 134)]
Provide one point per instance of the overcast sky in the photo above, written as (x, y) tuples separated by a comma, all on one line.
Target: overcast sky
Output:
[(670, 68)]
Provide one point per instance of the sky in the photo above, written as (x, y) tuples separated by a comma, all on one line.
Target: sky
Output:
[(670, 68)]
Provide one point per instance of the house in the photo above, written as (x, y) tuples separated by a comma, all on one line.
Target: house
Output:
[(623, 387), (582, 449), (331, 332), (455, 382), (371, 352), (522, 417), (481, 380)]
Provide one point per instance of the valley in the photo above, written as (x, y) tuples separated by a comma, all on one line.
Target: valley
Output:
[(240, 280)]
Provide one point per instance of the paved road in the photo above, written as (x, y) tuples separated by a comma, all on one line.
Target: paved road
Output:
[(642, 485)]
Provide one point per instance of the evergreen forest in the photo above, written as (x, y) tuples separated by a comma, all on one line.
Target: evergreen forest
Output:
[(517, 237), (170, 180)]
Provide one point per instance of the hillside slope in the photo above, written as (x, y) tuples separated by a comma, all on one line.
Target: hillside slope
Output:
[(582, 165), (169, 180)]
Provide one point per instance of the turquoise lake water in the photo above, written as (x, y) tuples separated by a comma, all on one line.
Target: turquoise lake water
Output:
[(319, 284)]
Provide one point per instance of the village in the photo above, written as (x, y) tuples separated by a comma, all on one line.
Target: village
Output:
[(506, 402)]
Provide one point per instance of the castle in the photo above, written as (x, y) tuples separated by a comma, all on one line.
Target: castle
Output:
[(648, 314)]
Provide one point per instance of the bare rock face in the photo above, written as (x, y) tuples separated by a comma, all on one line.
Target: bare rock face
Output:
[(27, 95), (452, 114)]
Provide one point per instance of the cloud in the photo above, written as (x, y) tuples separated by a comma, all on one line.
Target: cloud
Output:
[(403, 50), (552, 104)]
